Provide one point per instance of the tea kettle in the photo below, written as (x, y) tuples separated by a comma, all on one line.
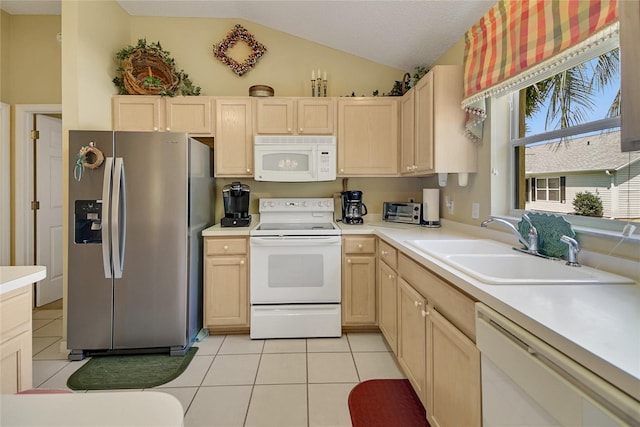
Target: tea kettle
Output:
[(353, 209)]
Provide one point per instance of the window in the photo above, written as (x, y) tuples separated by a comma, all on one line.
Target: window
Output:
[(546, 189), (565, 140)]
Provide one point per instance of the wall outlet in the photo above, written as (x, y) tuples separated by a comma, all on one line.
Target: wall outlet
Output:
[(450, 207), (475, 210)]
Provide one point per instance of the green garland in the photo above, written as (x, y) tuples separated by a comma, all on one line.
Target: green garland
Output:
[(185, 86)]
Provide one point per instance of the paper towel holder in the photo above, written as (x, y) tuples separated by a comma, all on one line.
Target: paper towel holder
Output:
[(430, 217)]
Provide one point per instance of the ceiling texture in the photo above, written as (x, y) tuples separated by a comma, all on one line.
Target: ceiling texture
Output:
[(402, 34)]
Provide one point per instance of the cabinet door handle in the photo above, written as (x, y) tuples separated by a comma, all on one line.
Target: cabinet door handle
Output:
[(359, 245), (417, 303), (248, 170), (241, 262), (341, 170), (384, 252), (391, 277), (225, 247), (155, 128), (301, 130), (168, 129), (424, 313), (349, 261)]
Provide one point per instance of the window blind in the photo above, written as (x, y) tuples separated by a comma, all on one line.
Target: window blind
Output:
[(518, 41)]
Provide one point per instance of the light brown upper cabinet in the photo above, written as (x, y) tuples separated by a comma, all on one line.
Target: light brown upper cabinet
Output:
[(432, 130), (233, 138), (289, 116), (191, 114), (368, 136)]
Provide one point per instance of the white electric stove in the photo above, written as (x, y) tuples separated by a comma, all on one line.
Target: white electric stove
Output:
[(296, 269)]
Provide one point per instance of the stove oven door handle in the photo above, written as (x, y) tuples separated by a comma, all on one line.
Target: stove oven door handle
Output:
[(296, 240)]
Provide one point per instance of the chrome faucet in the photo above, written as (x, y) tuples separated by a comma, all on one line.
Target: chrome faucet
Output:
[(531, 245), (533, 235), (574, 248)]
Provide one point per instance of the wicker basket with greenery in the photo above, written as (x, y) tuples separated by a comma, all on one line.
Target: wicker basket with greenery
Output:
[(147, 69)]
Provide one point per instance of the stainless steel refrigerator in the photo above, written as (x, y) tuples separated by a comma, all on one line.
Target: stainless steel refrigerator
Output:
[(135, 244)]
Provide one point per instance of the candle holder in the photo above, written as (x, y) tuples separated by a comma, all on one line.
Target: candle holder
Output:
[(325, 88), (319, 84), (313, 88)]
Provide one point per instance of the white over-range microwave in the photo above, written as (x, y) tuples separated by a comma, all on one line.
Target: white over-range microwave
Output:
[(295, 158)]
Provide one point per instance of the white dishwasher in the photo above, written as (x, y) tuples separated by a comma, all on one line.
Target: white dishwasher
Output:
[(526, 382)]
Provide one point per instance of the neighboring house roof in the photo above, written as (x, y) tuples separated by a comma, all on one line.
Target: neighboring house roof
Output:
[(589, 153)]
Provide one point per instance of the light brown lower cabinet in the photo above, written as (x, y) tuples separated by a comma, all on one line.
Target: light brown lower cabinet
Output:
[(388, 304), (453, 375), (15, 341), (226, 285), (434, 345), (412, 337), (359, 281)]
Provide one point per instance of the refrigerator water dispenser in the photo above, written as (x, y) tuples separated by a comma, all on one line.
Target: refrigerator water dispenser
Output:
[(88, 221)]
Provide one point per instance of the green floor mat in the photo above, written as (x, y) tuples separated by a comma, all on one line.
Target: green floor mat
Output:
[(129, 371)]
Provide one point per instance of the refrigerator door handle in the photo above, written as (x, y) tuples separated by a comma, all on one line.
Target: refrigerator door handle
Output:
[(118, 222), (106, 224)]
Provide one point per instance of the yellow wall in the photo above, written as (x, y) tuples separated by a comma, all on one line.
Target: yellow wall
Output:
[(31, 69), (478, 189), (375, 191), (5, 26), (93, 32), (286, 66), (89, 69)]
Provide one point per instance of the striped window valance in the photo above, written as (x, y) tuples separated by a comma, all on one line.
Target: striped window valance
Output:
[(517, 40)]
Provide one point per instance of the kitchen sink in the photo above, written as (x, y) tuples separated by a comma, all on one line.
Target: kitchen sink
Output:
[(498, 264), (439, 248)]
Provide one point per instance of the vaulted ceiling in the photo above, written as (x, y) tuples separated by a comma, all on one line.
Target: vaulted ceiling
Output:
[(398, 33)]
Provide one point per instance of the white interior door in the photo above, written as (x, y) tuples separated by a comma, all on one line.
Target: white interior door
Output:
[(49, 216)]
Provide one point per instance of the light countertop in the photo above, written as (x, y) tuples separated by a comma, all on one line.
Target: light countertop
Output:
[(596, 325), (130, 408), (218, 230), (15, 277)]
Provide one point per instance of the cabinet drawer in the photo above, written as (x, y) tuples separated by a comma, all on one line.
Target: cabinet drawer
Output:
[(225, 246), (359, 245), (455, 306), (388, 254), (15, 314)]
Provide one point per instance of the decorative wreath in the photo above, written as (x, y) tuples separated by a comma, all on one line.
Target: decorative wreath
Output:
[(239, 33), (89, 157), (147, 69)]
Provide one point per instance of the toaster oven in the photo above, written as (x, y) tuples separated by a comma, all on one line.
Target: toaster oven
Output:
[(408, 213)]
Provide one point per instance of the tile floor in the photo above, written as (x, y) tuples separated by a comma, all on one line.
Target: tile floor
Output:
[(236, 381)]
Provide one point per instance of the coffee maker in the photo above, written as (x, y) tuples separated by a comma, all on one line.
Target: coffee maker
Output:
[(236, 205), (352, 207)]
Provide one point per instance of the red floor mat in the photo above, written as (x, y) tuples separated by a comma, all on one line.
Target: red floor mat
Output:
[(386, 403)]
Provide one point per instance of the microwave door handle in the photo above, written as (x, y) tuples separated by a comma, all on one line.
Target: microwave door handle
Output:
[(314, 163), (107, 183)]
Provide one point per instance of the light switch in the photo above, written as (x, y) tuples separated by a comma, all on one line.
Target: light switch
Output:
[(475, 210)]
